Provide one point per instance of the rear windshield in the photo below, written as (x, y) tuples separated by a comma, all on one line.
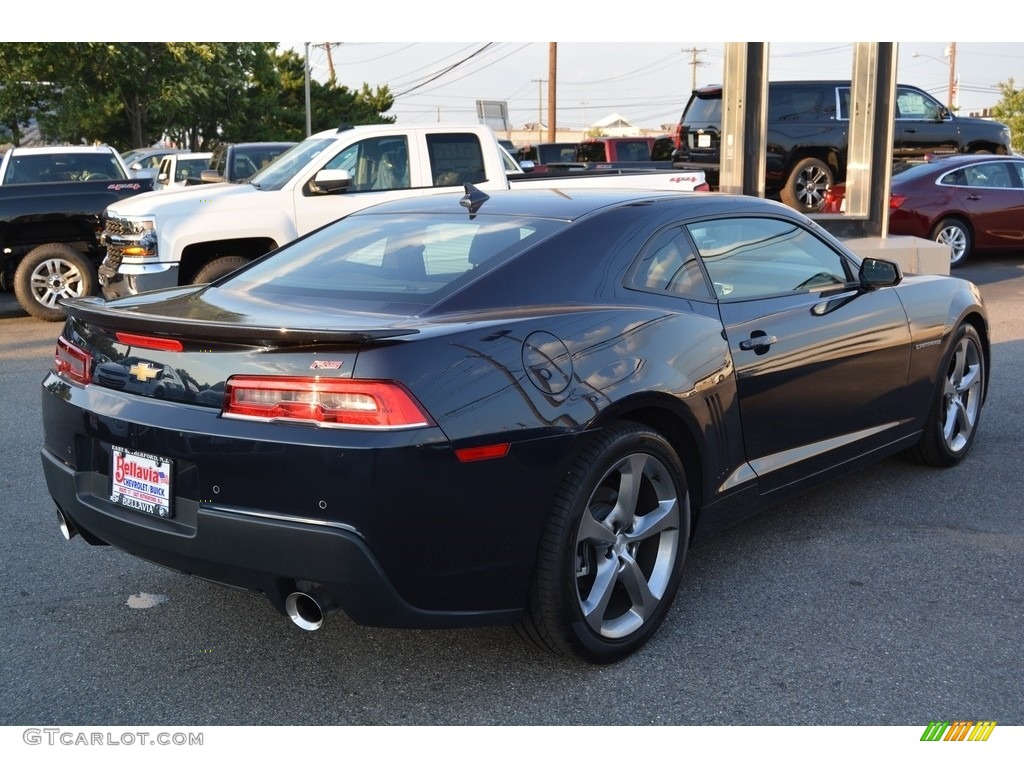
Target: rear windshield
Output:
[(704, 110), (404, 258)]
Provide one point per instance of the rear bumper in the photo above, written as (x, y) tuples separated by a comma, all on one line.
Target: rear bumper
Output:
[(391, 524), (253, 551)]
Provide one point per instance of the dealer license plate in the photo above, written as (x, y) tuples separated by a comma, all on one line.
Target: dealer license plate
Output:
[(141, 481)]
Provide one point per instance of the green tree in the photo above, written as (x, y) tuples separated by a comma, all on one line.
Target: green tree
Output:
[(20, 90), (1010, 111), (133, 94), (277, 111)]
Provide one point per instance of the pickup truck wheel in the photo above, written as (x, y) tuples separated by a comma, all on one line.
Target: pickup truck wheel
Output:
[(807, 184), (49, 273), (218, 268)]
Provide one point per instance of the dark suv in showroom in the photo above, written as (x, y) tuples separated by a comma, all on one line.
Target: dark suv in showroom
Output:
[(808, 131)]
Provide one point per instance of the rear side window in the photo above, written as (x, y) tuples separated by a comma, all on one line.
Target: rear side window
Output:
[(795, 104), (455, 158), (669, 265)]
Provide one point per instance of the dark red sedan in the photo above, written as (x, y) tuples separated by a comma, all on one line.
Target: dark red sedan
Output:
[(973, 203)]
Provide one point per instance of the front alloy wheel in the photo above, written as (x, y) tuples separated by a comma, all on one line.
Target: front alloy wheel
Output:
[(613, 553), (962, 389), (956, 407)]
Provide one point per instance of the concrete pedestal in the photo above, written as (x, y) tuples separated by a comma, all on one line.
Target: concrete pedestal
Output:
[(915, 255)]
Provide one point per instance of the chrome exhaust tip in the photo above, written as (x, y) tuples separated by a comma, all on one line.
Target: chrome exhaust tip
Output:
[(307, 610), (66, 528)]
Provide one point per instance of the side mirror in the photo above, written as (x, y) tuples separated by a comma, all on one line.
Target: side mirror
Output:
[(210, 177), (331, 180), (878, 273)]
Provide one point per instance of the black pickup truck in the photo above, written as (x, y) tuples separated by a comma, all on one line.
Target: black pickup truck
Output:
[(49, 239), (808, 126)]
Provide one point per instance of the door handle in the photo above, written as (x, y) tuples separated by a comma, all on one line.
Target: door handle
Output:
[(759, 342)]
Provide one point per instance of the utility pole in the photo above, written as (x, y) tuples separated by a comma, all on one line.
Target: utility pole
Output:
[(552, 87), (953, 96), (694, 63), (540, 108), (309, 114)]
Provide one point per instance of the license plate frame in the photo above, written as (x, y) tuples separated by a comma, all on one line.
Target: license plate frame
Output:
[(141, 482)]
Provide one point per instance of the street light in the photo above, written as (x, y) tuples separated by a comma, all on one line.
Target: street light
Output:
[(950, 60)]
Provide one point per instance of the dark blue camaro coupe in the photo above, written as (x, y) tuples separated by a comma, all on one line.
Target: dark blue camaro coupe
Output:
[(466, 410)]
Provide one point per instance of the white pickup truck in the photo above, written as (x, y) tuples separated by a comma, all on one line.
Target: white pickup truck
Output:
[(197, 234)]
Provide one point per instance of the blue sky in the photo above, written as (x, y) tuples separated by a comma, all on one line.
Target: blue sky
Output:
[(647, 82)]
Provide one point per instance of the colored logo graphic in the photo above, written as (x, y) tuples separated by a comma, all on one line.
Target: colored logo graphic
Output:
[(959, 730)]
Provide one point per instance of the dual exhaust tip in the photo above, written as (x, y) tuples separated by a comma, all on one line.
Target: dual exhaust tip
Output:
[(308, 609)]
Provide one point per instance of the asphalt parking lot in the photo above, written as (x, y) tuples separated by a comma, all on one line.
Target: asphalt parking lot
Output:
[(892, 597)]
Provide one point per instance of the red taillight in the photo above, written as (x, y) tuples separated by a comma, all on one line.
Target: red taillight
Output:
[(895, 201), (149, 342), (355, 403), (678, 137), (71, 362), (705, 187)]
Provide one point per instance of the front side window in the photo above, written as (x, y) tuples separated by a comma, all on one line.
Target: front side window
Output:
[(912, 104), (757, 257), (379, 163)]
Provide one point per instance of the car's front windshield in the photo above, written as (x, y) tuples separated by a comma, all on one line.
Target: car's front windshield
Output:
[(284, 168)]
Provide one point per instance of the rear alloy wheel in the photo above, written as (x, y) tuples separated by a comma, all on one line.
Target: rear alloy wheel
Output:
[(807, 184), (217, 268), (953, 417), (49, 273), (612, 555), (955, 234)]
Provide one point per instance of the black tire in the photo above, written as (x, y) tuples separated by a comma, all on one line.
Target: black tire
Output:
[(807, 184), (49, 273), (957, 235), (607, 571), (955, 410), (217, 268)]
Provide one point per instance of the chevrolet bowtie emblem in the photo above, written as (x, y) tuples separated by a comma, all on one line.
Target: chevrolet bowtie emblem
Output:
[(144, 372)]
